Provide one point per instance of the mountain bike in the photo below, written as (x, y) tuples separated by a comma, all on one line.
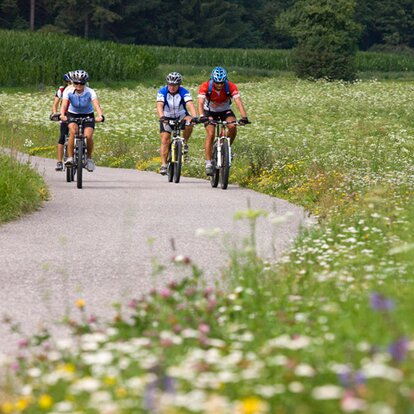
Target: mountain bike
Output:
[(80, 152), (221, 154), (175, 157)]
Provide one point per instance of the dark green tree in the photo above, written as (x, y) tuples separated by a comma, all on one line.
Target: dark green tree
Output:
[(326, 36), (386, 22), (10, 15)]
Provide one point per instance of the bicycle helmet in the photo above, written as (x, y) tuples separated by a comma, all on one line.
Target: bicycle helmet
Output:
[(174, 78), (219, 74), (80, 76), (66, 77)]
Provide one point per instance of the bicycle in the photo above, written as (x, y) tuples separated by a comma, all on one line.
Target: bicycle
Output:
[(222, 157), (80, 152), (175, 157)]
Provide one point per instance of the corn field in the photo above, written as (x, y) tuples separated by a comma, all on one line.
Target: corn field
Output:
[(42, 58)]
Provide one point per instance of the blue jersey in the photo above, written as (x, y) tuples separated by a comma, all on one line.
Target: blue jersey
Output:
[(174, 105), (80, 103)]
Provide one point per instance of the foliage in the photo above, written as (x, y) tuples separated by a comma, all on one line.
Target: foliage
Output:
[(199, 23), (39, 58), (22, 190), (327, 328), (326, 38)]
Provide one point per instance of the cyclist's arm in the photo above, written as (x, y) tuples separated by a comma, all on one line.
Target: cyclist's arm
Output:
[(240, 106), (160, 109), (98, 109), (55, 104), (201, 100), (63, 109), (191, 109)]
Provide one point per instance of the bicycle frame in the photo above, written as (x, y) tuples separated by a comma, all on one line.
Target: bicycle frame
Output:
[(80, 150), (221, 135), (175, 156)]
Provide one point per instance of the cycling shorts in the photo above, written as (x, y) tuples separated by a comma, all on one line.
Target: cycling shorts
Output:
[(220, 116), (73, 117), (167, 128), (64, 130)]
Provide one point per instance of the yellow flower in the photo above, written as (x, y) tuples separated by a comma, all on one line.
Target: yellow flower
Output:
[(7, 407), (45, 401), (22, 404), (121, 392), (80, 303), (110, 381), (252, 405)]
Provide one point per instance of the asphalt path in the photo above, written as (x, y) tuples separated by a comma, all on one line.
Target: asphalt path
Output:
[(105, 243)]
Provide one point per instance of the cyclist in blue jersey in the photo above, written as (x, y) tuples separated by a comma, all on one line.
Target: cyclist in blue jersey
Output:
[(174, 102), (79, 100)]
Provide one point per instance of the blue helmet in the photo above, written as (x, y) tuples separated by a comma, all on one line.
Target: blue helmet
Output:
[(66, 77), (219, 74)]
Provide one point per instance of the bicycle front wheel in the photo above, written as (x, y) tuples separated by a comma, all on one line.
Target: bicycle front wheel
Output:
[(178, 161), (170, 166), (225, 162), (214, 179), (79, 163)]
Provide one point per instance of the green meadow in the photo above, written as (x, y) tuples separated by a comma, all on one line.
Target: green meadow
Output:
[(327, 328)]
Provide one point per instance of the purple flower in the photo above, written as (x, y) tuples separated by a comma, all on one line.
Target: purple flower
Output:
[(398, 349), (380, 303)]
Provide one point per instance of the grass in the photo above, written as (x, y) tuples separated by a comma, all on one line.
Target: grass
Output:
[(22, 190), (327, 328)]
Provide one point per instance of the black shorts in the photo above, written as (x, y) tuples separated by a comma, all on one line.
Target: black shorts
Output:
[(220, 116), (64, 130), (167, 128), (73, 117)]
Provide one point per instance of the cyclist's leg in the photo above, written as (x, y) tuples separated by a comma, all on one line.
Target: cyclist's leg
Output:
[(188, 129), (88, 131), (210, 134), (89, 140), (73, 129), (61, 142), (165, 135), (232, 129)]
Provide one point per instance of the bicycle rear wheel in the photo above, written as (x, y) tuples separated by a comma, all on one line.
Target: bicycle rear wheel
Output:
[(170, 165), (79, 163), (178, 161), (225, 169), (214, 179)]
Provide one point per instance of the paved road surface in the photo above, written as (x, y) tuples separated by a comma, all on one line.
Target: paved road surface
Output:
[(99, 243)]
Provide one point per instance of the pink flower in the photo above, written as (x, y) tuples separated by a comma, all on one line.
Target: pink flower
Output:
[(133, 304), (165, 292), (23, 343), (203, 328)]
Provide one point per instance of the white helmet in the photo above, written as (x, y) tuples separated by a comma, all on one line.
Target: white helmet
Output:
[(174, 78), (80, 76)]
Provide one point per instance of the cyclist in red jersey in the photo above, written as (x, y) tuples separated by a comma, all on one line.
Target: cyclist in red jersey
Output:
[(214, 103)]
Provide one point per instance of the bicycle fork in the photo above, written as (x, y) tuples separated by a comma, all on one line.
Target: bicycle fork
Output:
[(219, 145)]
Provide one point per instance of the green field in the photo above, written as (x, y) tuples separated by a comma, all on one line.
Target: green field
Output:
[(327, 329)]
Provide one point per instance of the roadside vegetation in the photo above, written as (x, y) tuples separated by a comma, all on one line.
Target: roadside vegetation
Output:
[(22, 190), (325, 329)]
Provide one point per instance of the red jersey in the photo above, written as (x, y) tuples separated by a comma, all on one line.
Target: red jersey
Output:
[(217, 101)]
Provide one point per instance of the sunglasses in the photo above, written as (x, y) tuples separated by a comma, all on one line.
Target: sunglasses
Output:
[(79, 83), (219, 83)]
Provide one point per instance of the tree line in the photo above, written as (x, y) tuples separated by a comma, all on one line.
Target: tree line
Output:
[(205, 23)]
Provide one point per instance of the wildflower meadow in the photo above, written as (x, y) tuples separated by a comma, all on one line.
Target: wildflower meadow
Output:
[(327, 328)]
